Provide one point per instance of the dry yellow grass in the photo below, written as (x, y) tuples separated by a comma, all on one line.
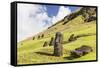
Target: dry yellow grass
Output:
[(32, 51)]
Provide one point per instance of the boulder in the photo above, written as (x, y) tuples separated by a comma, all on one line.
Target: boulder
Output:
[(83, 50)]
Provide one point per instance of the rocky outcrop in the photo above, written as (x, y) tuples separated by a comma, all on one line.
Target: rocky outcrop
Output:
[(87, 13)]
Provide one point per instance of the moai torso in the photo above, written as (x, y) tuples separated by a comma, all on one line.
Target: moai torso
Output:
[(58, 48)]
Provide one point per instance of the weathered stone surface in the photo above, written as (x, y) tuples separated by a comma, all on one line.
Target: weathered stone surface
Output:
[(58, 48), (86, 12), (85, 49), (70, 17), (91, 18), (78, 52)]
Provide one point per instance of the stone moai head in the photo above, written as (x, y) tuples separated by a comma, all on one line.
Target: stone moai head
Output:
[(58, 48), (38, 36), (59, 37), (51, 41), (45, 44), (42, 35), (33, 38), (72, 38)]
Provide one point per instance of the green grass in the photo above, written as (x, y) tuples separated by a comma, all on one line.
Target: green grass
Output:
[(32, 51)]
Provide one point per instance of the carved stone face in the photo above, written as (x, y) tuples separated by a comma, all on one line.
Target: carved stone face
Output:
[(58, 49), (59, 37)]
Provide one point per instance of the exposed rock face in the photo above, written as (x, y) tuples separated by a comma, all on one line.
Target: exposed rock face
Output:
[(58, 48), (86, 12), (70, 17), (83, 50), (76, 53)]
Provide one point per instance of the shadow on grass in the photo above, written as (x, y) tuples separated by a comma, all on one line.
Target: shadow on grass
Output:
[(43, 53), (70, 58), (78, 36)]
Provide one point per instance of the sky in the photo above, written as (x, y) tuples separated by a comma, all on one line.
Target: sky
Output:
[(34, 18)]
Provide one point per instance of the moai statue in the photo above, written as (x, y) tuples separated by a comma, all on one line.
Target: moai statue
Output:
[(58, 48), (51, 42), (42, 35), (38, 36), (72, 38), (45, 44), (33, 38)]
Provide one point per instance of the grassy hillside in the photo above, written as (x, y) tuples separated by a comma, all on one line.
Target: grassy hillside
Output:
[(32, 51)]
